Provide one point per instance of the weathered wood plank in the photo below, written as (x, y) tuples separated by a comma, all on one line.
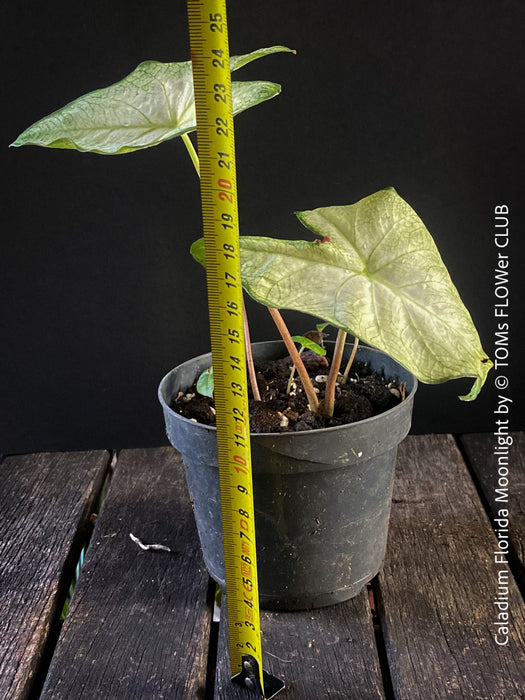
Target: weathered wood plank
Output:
[(437, 590), (324, 653), (138, 624), (490, 461), (45, 503)]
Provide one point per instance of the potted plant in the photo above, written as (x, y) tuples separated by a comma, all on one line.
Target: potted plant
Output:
[(322, 495)]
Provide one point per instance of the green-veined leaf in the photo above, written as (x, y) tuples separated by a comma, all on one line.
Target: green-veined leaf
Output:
[(377, 274), (152, 104)]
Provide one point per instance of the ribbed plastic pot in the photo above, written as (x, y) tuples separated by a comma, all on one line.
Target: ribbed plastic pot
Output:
[(322, 497)]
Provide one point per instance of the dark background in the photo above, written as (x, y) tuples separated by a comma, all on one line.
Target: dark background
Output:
[(100, 297)]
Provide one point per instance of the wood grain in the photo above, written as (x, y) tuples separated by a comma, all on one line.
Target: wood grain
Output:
[(138, 625), (484, 453), (437, 589), (324, 653), (45, 504)]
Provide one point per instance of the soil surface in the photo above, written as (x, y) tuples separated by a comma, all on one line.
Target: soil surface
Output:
[(365, 394)]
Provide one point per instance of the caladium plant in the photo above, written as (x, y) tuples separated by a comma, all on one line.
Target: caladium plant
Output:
[(379, 274), (383, 281), (154, 103)]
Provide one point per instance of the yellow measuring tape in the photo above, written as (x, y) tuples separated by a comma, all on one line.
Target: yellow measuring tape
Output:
[(213, 103)]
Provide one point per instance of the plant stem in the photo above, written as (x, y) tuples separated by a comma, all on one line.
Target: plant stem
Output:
[(249, 356), (294, 354), (292, 374), (351, 360), (193, 153), (327, 408)]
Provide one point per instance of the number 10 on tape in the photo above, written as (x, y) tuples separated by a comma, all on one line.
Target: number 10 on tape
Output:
[(213, 103)]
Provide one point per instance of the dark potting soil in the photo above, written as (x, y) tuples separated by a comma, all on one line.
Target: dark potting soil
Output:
[(365, 394)]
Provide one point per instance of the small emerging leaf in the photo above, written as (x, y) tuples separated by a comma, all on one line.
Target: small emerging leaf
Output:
[(152, 104), (205, 383), (309, 344)]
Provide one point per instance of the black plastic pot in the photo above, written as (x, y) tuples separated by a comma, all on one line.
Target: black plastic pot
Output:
[(322, 497)]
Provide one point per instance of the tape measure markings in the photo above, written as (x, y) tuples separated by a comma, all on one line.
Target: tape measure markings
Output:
[(213, 100)]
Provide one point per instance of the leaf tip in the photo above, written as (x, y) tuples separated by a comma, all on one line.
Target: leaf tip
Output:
[(19, 141), (281, 48), (480, 380), (301, 215)]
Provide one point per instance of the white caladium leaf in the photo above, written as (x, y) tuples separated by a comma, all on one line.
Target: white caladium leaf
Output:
[(152, 104), (377, 274)]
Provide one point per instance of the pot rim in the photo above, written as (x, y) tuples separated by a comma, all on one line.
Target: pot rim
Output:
[(212, 428)]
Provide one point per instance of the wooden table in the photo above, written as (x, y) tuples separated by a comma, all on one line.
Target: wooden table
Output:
[(141, 622)]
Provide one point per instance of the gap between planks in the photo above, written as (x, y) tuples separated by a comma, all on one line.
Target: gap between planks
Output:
[(45, 504), (139, 622), (437, 589)]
